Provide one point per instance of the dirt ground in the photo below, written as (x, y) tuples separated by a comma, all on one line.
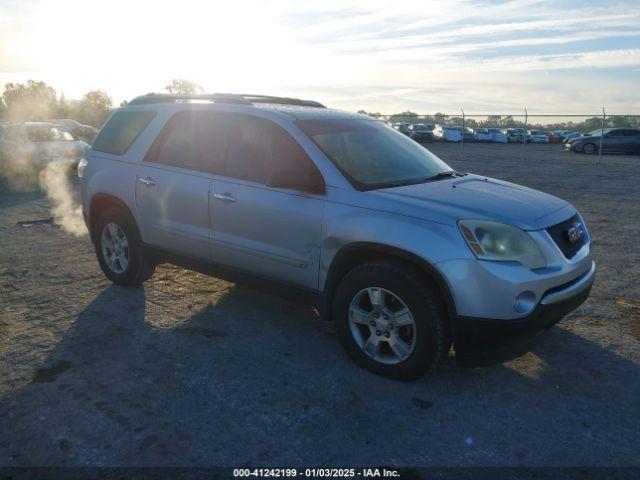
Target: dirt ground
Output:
[(194, 371)]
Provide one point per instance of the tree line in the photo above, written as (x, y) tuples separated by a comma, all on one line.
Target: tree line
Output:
[(36, 101), (507, 121)]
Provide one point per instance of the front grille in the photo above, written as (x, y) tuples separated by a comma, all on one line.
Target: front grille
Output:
[(560, 235)]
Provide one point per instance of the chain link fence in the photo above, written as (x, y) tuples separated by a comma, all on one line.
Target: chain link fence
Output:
[(531, 134)]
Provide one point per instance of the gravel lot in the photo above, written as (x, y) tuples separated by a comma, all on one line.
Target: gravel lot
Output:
[(191, 370)]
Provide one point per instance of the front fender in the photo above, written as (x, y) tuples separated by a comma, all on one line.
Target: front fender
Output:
[(345, 225)]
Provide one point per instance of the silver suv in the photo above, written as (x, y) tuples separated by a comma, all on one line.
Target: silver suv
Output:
[(407, 256)]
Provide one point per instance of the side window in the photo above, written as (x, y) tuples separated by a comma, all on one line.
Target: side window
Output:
[(196, 140), (286, 153), (258, 147), (178, 145), (121, 130), (248, 148)]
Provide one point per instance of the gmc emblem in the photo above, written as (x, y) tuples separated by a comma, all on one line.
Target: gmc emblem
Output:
[(575, 233)]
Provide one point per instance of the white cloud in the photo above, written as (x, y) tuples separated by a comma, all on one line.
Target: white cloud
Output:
[(376, 55)]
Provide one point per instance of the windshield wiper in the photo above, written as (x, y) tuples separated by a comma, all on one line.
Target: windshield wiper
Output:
[(415, 181), (441, 175)]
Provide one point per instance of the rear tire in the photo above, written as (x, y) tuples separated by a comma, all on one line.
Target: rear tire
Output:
[(384, 339), (119, 248)]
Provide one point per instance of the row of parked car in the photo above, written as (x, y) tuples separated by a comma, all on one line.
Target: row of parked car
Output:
[(614, 140), (425, 132)]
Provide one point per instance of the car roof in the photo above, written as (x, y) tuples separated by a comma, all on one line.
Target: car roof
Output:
[(291, 108), (291, 112), (311, 113)]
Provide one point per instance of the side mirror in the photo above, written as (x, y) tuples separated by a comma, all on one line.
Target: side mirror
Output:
[(298, 177)]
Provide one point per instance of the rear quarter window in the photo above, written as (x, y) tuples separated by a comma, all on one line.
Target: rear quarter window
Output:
[(121, 131)]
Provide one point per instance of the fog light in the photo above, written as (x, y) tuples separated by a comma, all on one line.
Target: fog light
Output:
[(525, 302)]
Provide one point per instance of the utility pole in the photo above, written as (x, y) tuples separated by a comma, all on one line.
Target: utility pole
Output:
[(604, 117)]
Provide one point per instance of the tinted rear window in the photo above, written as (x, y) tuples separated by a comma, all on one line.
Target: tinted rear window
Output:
[(121, 130)]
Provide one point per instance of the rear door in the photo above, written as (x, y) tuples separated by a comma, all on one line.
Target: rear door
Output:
[(173, 183), (635, 141), (614, 141), (272, 232), (630, 140)]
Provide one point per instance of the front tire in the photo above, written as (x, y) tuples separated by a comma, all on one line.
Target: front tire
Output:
[(589, 148), (390, 320), (119, 249)]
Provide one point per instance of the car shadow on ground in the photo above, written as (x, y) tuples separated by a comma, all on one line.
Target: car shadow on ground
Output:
[(233, 381)]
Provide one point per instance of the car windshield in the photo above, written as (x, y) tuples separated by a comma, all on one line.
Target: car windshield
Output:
[(47, 134), (597, 133), (371, 154)]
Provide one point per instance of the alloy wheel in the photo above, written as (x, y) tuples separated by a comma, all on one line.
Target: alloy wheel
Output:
[(115, 247), (382, 325)]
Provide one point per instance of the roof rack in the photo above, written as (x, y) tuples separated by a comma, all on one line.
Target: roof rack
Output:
[(245, 99)]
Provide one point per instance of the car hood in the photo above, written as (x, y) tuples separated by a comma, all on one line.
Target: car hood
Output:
[(584, 137), (478, 198)]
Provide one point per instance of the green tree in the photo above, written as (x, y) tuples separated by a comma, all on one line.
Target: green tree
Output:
[(183, 87), (93, 109), (408, 117), (29, 101), (440, 118), (492, 121)]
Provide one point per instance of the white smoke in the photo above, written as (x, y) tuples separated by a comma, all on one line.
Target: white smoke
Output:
[(67, 213), (23, 168), (19, 164)]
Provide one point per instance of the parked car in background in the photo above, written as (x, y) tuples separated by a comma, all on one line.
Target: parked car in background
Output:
[(403, 128), (570, 135), (421, 132), (537, 136), (483, 135), (614, 140), (44, 140), (553, 138), (447, 133), (86, 133), (516, 134), (467, 134), (498, 135)]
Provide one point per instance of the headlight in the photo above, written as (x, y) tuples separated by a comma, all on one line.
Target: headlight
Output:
[(82, 164), (500, 242)]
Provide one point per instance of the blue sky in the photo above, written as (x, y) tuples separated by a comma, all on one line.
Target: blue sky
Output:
[(483, 56)]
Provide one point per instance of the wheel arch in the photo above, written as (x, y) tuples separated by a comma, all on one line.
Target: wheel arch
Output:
[(100, 202), (354, 254)]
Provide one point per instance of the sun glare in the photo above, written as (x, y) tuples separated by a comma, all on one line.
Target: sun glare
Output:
[(222, 46)]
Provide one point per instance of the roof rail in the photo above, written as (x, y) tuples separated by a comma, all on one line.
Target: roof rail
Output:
[(174, 98), (281, 100), (245, 99)]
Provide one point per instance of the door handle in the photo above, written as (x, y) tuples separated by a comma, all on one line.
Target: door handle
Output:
[(225, 197), (147, 181)]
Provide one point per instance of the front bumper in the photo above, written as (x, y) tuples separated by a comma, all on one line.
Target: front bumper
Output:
[(483, 341)]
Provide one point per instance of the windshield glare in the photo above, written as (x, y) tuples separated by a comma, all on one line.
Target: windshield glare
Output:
[(596, 133), (372, 154)]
